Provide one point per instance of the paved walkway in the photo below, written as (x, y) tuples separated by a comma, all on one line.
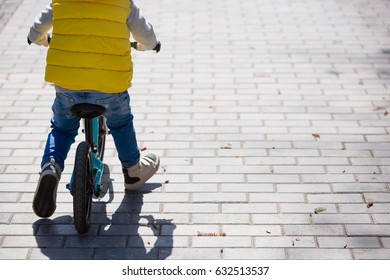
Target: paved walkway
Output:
[(271, 118)]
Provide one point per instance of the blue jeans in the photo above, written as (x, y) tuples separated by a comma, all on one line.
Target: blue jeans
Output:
[(65, 126)]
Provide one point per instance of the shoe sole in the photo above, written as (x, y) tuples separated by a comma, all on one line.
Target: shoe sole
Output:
[(44, 203)]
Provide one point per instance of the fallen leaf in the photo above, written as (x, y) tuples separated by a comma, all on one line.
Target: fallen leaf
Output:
[(316, 135), (143, 149), (385, 113), (370, 204), (319, 210), (268, 232), (345, 246), (227, 147), (211, 234), (166, 182)]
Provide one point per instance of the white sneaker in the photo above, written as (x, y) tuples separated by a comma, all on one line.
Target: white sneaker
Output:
[(137, 175)]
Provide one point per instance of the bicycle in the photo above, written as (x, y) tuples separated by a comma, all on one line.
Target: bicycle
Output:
[(86, 179)]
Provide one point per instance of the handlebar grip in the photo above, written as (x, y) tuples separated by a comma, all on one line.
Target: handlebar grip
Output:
[(134, 45), (157, 48)]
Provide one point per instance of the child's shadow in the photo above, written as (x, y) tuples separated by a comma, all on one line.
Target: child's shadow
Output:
[(126, 234)]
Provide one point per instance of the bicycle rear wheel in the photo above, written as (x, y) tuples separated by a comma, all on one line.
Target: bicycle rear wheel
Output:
[(82, 187)]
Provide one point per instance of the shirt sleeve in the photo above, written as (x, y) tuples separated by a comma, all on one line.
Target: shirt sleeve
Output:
[(42, 24), (140, 28)]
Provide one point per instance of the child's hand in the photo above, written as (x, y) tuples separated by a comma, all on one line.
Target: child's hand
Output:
[(139, 47), (42, 41)]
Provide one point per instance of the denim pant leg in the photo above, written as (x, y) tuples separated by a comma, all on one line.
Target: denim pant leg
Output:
[(120, 122), (64, 130), (65, 125)]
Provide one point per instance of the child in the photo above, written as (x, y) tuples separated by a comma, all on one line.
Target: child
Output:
[(89, 61)]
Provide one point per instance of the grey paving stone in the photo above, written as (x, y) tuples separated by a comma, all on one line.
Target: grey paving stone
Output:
[(367, 230), (13, 253), (371, 254), (319, 254), (348, 242), (95, 242), (61, 254), (221, 242), (285, 242), (342, 219), (33, 242), (318, 230)]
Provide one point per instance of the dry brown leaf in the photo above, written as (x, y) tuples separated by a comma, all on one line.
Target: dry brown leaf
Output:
[(316, 135), (227, 147), (370, 204), (319, 210), (211, 234)]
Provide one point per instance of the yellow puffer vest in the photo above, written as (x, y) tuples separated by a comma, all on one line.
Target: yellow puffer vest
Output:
[(90, 47)]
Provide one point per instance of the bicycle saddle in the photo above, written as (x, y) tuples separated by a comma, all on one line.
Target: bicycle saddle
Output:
[(87, 110)]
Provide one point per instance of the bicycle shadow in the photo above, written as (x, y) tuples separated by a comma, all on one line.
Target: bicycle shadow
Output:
[(118, 230)]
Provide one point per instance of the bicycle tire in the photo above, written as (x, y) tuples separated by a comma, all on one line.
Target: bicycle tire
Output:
[(102, 137), (82, 187)]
